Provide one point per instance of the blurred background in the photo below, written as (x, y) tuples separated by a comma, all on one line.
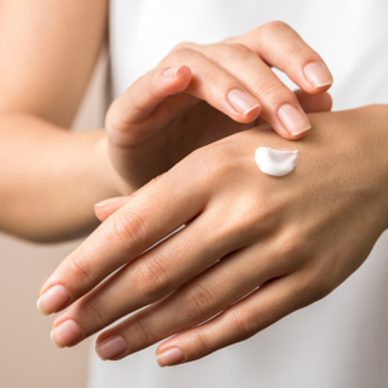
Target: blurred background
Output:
[(27, 356)]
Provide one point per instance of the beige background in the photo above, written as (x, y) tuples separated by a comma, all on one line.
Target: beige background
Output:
[(27, 356)]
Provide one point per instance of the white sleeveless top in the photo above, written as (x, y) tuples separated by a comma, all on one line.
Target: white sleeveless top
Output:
[(342, 340)]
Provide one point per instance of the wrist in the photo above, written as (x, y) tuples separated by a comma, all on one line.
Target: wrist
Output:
[(376, 125), (111, 183)]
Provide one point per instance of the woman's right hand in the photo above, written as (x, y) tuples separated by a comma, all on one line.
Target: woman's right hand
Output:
[(159, 119)]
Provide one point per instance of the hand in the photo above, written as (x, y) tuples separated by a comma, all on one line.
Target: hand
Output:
[(159, 119), (254, 249)]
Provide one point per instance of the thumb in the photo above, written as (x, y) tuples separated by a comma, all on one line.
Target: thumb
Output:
[(141, 110)]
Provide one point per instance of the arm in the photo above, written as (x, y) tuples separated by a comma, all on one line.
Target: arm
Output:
[(49, 197), (49, 177)]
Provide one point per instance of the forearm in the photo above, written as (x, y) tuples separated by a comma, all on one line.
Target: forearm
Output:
[(50, 178)]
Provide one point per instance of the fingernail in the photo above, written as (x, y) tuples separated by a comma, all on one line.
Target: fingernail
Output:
[(67, 333), (170, 356), (242, 102), (112, 347), (53, 299), (172, 71), (106, 202), (317, 75), (295, 121)]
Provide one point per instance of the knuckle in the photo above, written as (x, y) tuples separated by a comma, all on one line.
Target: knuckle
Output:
[(184, 45), (322, 283), (81, 270), (95, 317), (312, 292), (214, 80), (210, 164), (182, 50), (273, 91), (141, 331), (245, 217), (290, 243), (238, 224), (239, 51), (244, 326), (128, 227), (202, 345), (322, 289), (298, 51), (199, 302), (273, 26), (314, 285), (153, 278)]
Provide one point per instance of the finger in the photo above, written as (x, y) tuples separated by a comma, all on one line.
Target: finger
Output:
[(254, 313), (205, 296), (158, 210), (217, 87), (150, 278), (280, 107), (310, 103), (138, 112), (282, 47), (105, 208), (314, 103)]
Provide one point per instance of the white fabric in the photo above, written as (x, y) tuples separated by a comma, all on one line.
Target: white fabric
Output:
[(342, 340)]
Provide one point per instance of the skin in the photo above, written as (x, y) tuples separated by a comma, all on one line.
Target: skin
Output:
[(60, 62), (296, 242), (150, 127)]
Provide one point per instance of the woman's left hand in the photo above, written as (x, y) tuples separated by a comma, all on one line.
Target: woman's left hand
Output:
[(255, 248)]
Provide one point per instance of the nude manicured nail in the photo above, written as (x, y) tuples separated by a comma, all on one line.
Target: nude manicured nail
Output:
[(242, 102), (53, 299), (295, 121), (170, 356), (112, 347), (106, 202), (67, 333), (317, 75)]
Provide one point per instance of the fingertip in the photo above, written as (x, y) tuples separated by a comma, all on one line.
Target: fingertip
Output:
[(251, 118), (99, 213), (183, 71), (175, 79), (104, 209), (176, 72), (112, 347), (292, 121), (318, 77), (242, 106), (300, 135), (53, 299), (170, 356), (184, 75)]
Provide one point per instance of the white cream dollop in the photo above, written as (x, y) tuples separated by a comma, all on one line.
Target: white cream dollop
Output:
[(276, 162)]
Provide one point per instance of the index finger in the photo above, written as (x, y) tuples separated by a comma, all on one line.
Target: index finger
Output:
[(153, 213), (294, 56)]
